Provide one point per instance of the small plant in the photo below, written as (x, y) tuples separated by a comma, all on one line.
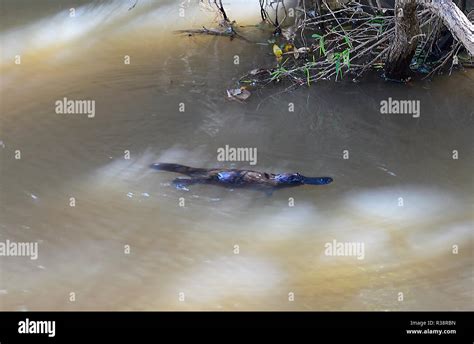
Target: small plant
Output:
[(277, 73), (322, 49)]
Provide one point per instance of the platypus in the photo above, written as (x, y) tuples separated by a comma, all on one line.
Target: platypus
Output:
[(238, 178)]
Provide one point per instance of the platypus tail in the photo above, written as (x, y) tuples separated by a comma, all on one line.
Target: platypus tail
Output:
[(177, 168), (317, 180)]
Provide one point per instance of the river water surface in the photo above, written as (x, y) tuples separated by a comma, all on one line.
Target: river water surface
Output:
[(400, 192)]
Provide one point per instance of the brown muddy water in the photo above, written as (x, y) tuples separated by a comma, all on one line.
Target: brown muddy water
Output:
[(400, 192)]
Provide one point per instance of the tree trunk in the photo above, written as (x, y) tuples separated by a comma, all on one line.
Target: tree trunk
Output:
[(404, 45), (407, 28), (454, 19)]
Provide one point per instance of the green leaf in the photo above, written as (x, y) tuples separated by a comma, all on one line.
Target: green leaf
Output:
[(321, 46), (377, 20), (346, 58), (348, 42), (322, 49)]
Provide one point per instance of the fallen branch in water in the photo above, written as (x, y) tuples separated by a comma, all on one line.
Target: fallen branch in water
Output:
[(225, 26), (206, 31)]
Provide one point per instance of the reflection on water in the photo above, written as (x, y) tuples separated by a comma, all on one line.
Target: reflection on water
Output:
[(399, 192)]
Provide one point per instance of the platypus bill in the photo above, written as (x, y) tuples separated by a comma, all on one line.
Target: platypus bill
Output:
[(238, 178)]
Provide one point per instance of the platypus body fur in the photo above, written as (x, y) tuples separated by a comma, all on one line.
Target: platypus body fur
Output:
[(238, 178)]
